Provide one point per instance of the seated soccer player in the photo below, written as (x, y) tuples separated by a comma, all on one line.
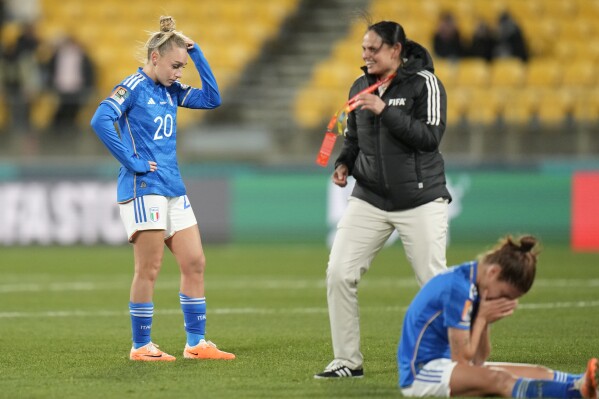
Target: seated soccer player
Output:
[(445, 340)]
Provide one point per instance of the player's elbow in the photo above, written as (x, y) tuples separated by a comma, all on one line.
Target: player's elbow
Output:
[(216, 100), (463, 356), (95, 122)]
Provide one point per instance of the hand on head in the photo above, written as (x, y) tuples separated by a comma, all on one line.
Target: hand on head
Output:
[(190, 43)]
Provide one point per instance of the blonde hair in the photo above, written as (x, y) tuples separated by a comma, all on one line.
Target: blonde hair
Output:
[(165, 39)]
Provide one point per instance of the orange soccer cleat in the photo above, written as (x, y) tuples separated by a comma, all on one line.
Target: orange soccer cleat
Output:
[(588, 388), (206, 350), (150, 353)]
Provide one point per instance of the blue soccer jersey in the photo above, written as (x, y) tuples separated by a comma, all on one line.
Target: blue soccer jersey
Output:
[(146, 114), (446, 301)]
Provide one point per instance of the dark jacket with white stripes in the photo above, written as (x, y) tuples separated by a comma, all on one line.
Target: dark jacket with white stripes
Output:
[(395, 156)]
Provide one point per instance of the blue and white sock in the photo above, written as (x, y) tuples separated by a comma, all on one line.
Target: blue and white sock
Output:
[(528, 388), (562, 376), (194, 316), (141, 322)]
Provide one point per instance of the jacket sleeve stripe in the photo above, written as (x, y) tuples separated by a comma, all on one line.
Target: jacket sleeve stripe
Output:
[(433, 99)]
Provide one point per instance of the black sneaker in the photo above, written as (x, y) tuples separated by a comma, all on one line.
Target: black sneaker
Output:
[(341, 372)]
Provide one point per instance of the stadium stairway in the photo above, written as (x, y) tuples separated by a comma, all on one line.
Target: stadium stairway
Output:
[(264, 95)]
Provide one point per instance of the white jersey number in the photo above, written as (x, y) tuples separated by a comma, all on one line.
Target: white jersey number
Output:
[(165, 127)]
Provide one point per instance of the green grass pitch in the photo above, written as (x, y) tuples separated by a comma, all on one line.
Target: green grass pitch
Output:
[(65, 332)]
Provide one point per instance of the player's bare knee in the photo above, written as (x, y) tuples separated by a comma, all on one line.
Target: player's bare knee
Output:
[(194, 265), (500, 382)]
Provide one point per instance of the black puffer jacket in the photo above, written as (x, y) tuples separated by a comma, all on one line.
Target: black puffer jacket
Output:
[(395, 156)]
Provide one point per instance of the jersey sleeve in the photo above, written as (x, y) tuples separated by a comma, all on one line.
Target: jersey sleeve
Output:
[(208, 97), (103, 124), (122, 95), (459, 304)]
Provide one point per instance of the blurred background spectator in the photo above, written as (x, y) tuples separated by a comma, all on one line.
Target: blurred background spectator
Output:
[(447, 42), (510, 38), (71, 77), (21, 78), (483, 41)]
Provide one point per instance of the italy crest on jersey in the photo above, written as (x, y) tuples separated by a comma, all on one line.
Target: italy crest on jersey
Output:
[(154, 214)]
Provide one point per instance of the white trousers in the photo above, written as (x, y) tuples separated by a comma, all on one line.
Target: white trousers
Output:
[(361, 233)]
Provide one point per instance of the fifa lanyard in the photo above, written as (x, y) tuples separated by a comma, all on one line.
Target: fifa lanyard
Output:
[(330, 137)]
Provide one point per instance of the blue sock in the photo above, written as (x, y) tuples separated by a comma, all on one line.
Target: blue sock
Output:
[(194, 316), (141, 322), (562, 376), (527, 388)]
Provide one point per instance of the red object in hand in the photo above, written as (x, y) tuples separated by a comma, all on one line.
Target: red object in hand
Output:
[(328, 143)]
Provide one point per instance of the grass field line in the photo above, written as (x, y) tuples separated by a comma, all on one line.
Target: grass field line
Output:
[(269, 311), (267, 284)]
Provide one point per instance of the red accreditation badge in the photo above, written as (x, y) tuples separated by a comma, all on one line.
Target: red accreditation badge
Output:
[(328, 143)]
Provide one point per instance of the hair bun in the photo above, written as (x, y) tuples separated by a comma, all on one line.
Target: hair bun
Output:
[(527, 243), (167, 24)]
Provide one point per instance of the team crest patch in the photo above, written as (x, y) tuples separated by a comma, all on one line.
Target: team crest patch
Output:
[(120, 94), (154, 214), (184, 86)]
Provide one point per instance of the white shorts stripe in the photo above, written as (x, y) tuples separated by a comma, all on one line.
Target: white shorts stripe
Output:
[(170, 214), (432, 380)]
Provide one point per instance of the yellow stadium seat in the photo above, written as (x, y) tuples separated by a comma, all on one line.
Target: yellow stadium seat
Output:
[(585, 107), (520, 105), (543, 73), (473, 73), (4, 117), (560, 9), (579, 74), (488, 10), (588, 8), (483, 106), (446, 71), (541, 35), (457, 104), (581, 30), (523, 10), (313, 106), (42, 110), (554, 107), (507, 72)]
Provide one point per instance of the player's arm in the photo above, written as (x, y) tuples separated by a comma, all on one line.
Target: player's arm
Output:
[(464, 344), (473, 345), (103, 124), (208, 97), (423, 129), (484, 347)]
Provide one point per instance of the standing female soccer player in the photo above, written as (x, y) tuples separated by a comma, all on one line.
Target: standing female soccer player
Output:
[(151, 193), (391, 148), (445, 340)]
